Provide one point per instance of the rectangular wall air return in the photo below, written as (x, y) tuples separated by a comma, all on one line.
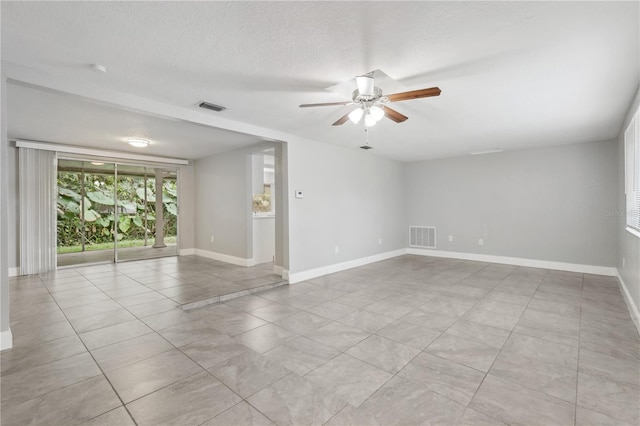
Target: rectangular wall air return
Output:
[(422, 236)]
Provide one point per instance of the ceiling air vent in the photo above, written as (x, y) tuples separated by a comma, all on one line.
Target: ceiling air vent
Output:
[(212, 107)]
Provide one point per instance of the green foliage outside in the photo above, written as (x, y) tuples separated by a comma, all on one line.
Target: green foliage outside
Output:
[(99, 209), (109, 245)]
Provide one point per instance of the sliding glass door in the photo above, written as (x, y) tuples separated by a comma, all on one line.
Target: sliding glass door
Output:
[(109, 212), (148, 212), (85, 212)]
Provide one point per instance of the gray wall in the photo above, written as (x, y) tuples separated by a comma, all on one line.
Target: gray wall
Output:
[(223, 202), (628, 244), (282, 206), (545, 204), (351, 199)]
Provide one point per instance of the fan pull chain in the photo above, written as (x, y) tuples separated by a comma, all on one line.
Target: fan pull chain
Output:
[(366, 140)]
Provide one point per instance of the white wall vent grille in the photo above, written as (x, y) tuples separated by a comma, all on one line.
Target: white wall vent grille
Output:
[(422, 236)]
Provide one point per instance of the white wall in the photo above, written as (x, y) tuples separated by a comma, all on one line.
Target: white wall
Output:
[(264, 239), (545, 204), (257, 173), (351, 200), (628, 244)]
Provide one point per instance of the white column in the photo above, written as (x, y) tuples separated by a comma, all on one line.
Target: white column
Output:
[(159, 243), (6, 340)]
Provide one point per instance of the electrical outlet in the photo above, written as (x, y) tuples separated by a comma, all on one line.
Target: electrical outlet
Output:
[(481, 242), (212, 239), (450, 237), (336, 249), (380, 241)]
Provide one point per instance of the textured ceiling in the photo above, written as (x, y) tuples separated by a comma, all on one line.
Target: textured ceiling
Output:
[(512, 74)]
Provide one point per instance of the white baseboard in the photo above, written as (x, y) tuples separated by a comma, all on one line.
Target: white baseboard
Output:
[(533, 263), (6, 340), (561, 266), (14, 272), (279, 270), (337, 267), (631, 305), (224, 257), (187, 252)]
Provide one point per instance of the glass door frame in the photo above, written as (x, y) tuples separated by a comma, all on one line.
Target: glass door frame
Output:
[(116, 214)]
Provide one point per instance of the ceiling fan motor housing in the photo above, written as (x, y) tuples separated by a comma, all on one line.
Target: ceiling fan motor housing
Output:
[(365, 84), (374, 97)]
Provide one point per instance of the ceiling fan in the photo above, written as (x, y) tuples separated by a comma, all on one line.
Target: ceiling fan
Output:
[(372, 103)]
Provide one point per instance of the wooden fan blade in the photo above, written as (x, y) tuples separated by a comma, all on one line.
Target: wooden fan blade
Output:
[(325, 104), (394, 115), (341, 120), (414, 94)]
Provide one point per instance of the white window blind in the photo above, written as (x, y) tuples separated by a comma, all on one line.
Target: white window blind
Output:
[(632, 172), (38, 179)]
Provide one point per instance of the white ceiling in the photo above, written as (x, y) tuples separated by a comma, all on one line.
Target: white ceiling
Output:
[(512, 74)]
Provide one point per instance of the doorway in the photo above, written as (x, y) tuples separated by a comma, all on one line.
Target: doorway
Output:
[(263, 206), (112, 212)]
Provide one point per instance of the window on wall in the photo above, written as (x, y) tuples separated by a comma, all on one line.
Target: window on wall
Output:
[(632, 174)]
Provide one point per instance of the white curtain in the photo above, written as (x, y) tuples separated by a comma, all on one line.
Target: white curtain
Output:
[(38, 180)]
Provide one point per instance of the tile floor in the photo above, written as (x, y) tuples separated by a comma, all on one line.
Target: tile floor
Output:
[(410, 340)]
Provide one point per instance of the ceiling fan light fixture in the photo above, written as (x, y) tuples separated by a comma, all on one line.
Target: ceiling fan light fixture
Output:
[(369, 120), (137, 142), (356, 115), (376, 112), (365, 85)]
